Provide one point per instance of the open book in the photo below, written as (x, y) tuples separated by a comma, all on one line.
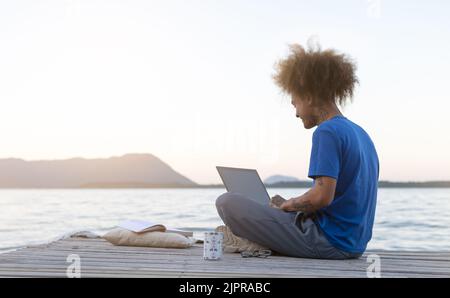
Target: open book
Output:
[(141, 226)]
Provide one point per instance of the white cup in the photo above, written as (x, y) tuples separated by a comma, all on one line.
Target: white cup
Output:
[(212, 246)]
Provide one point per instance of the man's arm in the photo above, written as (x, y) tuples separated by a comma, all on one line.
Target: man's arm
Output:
[(319, 196)]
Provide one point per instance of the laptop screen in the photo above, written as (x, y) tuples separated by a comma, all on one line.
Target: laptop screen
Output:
[(244, 181)]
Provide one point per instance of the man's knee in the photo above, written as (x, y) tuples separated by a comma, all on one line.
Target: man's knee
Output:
[(227, 201)]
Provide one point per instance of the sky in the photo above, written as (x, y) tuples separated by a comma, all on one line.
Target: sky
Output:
[(190, 81)]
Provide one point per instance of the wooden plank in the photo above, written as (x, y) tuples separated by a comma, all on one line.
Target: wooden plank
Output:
[(230, 260), (197, 250), (184, 265), (191, 251), (40, 273), (227, 262), (102, 259), (85, 265), (79, 245), (61, 270)]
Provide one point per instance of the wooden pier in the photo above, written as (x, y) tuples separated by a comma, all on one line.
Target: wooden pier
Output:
[(99, 258)]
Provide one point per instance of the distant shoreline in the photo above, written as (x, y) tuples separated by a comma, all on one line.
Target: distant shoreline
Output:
[(297, 184), (133, 170)]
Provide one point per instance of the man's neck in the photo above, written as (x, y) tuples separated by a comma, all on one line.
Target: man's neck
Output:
[(326, 113)]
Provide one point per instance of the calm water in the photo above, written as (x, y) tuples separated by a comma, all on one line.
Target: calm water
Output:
[(408, 219)]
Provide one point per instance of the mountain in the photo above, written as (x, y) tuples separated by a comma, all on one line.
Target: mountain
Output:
[(280, 178), (130, 170)]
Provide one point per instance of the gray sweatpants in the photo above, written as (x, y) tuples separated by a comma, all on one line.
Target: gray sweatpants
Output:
[(287, 233)]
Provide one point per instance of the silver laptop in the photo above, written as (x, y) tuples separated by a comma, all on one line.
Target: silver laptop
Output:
[(244, 181)]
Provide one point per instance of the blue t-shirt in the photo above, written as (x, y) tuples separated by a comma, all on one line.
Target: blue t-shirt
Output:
[(343, 150)]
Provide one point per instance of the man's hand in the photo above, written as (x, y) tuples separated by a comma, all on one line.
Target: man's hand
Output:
[(317, 197), (301, 203), (276, 201)]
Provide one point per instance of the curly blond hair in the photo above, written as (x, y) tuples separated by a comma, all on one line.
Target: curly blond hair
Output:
[(324, 76)]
